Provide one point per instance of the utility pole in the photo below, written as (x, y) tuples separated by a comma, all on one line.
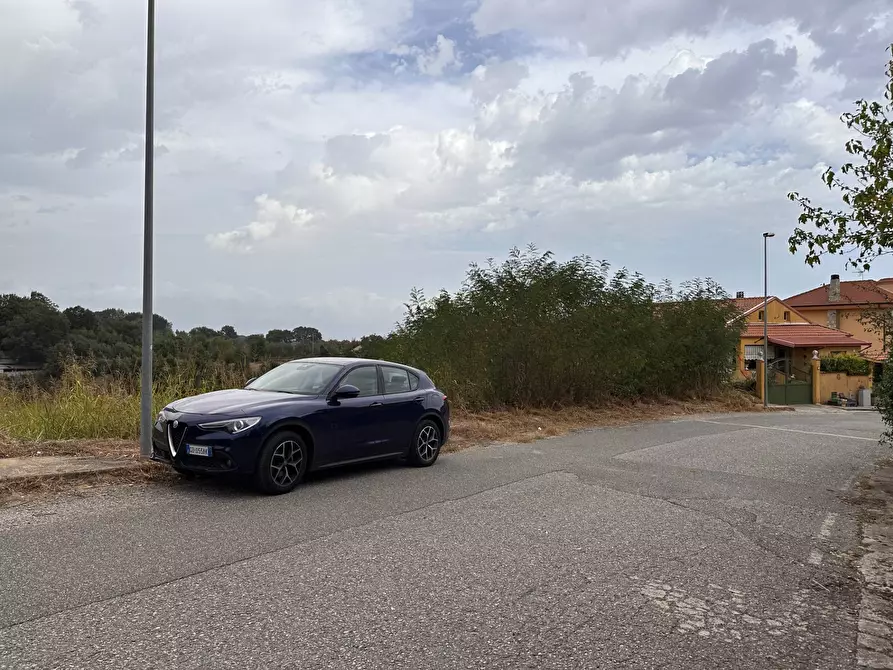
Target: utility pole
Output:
[(766, 237), (148, 235)]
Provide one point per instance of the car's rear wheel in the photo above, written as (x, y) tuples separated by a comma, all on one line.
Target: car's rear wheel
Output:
[(426, 443), (282, 463)]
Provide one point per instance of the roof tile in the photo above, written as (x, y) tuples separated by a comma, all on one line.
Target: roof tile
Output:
[(859, 292), (804, 335), (747, 304)]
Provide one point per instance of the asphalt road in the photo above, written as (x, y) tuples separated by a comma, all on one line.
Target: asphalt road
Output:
[(698, 543)]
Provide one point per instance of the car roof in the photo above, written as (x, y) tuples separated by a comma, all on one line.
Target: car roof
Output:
[(334, 360)]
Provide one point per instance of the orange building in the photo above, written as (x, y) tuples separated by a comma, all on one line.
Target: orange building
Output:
[(853, 307), (793, 338)]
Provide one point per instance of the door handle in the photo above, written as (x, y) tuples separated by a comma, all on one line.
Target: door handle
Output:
[(418, 399), (375, 404)]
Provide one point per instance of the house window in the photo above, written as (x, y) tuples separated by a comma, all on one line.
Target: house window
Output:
[(787, 316), (760, 315), (753, 352)]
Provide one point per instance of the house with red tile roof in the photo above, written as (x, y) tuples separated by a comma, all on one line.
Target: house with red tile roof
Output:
[(793, 339), (852, 307)]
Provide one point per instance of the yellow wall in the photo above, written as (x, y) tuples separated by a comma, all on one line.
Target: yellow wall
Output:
[(801, 359), (842, 383), (776, 314), (849, 323)]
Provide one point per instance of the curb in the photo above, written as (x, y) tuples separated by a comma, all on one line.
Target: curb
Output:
[(18, 470)]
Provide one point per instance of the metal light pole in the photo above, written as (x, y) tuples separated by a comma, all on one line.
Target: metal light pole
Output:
[(146, 367), (766, 237)]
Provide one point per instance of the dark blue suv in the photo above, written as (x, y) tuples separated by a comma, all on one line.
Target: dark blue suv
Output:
[(305, 415)]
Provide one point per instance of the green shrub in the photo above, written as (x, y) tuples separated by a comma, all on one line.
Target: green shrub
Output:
[(849, 364), (533, 332), (882, 397)]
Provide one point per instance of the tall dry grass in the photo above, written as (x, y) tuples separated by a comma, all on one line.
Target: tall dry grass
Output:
[(79, 406)]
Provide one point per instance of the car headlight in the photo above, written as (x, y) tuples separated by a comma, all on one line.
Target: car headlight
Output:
[(232, 425)]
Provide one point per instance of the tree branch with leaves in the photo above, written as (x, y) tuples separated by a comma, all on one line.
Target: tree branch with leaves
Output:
[(863, 229)]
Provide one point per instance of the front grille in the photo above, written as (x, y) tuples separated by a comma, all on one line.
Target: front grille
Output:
[(176, 437)]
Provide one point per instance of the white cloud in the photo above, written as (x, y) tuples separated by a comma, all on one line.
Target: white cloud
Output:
[(432, 61), (271, 219), (287, 144), (437, 59)]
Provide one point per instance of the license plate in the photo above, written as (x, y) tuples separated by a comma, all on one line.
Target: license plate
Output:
[(195, 450)]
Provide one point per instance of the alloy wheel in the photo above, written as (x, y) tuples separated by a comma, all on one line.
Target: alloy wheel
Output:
[(428, 442), (285, 465)]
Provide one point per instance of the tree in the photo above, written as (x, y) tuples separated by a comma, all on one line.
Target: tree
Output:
[(81, 318), (203, 332), (863, 229), (30, 327), (306, 335), (229, 332), (160, 324), (281, 336)]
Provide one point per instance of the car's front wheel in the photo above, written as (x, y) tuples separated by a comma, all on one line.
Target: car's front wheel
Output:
[(426, 444), (282, 463)]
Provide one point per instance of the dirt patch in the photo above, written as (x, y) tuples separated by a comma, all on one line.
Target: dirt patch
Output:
[(141, 474), (520, 426), (123, 449)]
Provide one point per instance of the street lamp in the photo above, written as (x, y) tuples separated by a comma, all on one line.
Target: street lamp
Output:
[(766, 237), (146, 364)]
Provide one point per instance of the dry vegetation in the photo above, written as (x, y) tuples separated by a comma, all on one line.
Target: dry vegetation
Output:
[(515, 426)]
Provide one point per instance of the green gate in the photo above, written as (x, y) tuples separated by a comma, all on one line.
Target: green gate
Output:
[(789, 385)]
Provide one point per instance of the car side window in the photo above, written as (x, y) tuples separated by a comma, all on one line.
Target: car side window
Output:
[(364, 378), (396, 380), (414, 382)]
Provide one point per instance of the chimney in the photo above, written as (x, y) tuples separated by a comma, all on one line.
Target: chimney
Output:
[(834, 289), (740, 294)]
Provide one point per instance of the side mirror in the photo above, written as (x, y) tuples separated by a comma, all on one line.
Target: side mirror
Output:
[(250, 380), (346, 391)]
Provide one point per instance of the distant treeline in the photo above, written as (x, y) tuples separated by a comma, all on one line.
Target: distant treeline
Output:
[(34, 330), (529, 332)]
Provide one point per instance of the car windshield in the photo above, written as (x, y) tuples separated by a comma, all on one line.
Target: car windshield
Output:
[(297, 377)]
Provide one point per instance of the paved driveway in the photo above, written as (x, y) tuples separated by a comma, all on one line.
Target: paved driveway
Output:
[(699, 543)]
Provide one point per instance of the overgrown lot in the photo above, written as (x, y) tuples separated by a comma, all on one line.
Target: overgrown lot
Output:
[(529, 341)]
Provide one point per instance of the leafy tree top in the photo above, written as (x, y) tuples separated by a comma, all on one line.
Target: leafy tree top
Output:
[(863, 229)]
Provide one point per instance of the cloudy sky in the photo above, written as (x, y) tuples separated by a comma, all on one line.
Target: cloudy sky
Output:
[(316, 160)]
